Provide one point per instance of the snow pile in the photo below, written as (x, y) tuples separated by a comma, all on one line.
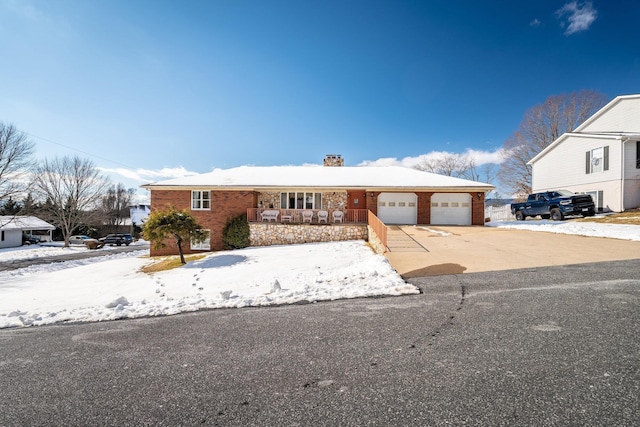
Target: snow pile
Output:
[(113, 287), (591, 229)]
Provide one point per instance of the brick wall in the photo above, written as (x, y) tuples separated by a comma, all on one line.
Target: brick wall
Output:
[(477, 208), (224, 206), (424, 208)]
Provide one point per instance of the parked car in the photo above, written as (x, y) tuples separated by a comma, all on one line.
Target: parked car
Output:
[(28, 239), (81, 239), (117, 239), (554, 205)]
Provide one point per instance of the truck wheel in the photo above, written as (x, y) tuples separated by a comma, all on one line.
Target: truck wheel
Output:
[(519, 216), (556, 214)]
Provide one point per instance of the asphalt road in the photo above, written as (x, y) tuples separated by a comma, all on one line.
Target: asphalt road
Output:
[(22, 263), (544, 346)]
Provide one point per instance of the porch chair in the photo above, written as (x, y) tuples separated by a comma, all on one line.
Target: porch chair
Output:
[(323, 216), (307, 216), (337, 216)]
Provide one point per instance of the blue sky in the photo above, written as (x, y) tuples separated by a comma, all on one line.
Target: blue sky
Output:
[(154, 89)]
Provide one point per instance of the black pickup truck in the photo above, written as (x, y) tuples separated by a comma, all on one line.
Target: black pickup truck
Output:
[(554, 205)]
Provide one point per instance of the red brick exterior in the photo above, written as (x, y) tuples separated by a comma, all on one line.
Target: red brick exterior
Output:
[(477, 208), (424, 208), (372, 201), (224, 206)]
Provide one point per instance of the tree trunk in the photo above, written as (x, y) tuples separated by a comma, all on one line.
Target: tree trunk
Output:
[(179, 243)]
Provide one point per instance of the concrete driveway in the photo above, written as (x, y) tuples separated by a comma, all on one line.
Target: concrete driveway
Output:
[(416, 251)]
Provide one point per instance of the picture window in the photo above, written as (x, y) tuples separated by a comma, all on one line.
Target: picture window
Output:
[(300, 200)]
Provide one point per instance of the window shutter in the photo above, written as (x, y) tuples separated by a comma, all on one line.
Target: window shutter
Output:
[(606, 158), (588, 168)]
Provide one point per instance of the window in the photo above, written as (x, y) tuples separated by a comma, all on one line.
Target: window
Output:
[(597, 160), (300, 200), (382, 203), (444, 204), (412, 204), (401, 204), (2, 236), (200, 200), (202, 246), (637, 154), (434, 204), (392, 204), (455, 204)]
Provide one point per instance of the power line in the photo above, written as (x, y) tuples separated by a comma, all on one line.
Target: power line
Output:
[(80, 151)]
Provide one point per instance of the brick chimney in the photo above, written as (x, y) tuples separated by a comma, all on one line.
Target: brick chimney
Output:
[(333, 160)]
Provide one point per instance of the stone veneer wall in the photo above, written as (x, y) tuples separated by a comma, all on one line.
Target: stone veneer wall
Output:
[(266, 234), (375, 242), (269, 199)]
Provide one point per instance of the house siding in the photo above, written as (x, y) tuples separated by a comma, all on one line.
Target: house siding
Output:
[(623, 116), (224, 206), (564, 168)]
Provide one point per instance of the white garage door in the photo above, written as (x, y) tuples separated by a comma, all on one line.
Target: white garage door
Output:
[(398, 208), (451, 208)]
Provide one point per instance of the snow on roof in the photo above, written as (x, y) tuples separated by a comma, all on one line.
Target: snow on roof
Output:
[(24, 223), (346, 177)]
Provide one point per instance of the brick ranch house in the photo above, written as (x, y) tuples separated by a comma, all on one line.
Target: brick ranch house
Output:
[(395, 195)]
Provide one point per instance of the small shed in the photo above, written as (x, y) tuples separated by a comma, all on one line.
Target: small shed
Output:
[(12, 229)]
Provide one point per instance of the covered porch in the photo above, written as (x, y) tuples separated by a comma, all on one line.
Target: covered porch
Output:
[(290, 226), (309, 216)]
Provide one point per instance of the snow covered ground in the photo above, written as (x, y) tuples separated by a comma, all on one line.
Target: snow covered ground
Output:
[(593, 229), (112, 287)]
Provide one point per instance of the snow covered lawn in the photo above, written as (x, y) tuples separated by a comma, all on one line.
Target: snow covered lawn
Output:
[(591, 229), (112, 287)]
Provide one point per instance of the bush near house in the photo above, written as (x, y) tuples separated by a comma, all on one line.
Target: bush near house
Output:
[(235, 234)]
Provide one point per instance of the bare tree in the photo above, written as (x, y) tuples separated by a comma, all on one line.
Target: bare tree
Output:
[(115, 205), (71, 189), (449, 164), (541, 125), (16, 150)]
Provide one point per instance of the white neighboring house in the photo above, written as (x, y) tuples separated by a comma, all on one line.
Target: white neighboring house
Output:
[(601, 157), (12, 228), (139, 214)]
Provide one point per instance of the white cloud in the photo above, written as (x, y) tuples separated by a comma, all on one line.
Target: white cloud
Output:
[(149, 175), (579, 15), (480, 158), (535, 23)]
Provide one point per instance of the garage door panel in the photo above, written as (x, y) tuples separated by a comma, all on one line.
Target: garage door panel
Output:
[(398, 208), (451, 209)]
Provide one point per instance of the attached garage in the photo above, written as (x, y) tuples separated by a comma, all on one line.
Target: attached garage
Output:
[(451, 209), (398, 208)]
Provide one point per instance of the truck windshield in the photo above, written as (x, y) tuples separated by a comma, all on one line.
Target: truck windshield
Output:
[(563, 193)]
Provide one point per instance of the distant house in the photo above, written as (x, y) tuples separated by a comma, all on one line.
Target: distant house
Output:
[(396, 195), (139, 214), (12, 228), (601, 157)]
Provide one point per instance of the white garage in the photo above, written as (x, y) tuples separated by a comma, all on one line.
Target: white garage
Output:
[(398, 208), (451, 209)]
